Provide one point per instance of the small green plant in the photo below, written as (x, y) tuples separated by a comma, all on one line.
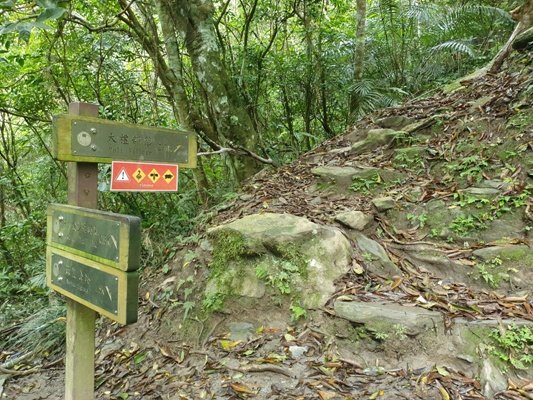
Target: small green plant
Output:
[(213, 302), (514, 345), (413, 162), (380, 335), (297, 312), (400, 331), (368, 256), (365, 185), (418, 220), (488, 272), (469, 167), (463, 224), (464, 200)]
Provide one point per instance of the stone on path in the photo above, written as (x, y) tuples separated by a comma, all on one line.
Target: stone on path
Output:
[(394, 122), (383, 203), (511, 253), (375, 256), (357, 220), (374, 139), (386, 317)]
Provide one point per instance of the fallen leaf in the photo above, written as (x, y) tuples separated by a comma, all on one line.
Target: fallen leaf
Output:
[(377, 394), (442, 370), (357, 268), (241, 388), (229, 344), (444, 393), (326, 395), (397, 282)]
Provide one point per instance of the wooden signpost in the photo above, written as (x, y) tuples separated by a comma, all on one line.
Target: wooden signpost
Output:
[(93, 256)]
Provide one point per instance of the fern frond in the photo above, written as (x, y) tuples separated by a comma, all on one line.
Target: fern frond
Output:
[(455, 47)]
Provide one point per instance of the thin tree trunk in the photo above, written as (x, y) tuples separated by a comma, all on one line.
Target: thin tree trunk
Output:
[(359, 57), (308, 86)]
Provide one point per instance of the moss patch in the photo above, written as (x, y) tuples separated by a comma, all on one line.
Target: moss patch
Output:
[(239, 266)]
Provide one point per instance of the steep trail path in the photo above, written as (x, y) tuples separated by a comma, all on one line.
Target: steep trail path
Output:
[(435, 198)]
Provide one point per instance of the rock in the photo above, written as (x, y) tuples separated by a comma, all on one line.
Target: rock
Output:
[(505, 253), (388, 316), (276, 254), (297, 351), (394, 122), (510, 225), (339, 175), (492, 379), (357, 220), (376, 257), (484, 192), (340, 150), (241, 331), (343, 177), (453, 87), (480, 103), (376, 138), (383, 203), (496, 184), (417, 126)]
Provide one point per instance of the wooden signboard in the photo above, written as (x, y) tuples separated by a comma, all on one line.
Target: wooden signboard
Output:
[(107, 238), (143, 177), (104, 289), (94, 140)]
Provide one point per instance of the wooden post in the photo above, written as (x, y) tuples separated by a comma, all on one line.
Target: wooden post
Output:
[(79, 359)]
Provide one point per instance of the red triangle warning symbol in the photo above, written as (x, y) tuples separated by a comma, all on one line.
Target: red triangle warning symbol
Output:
[(123, 176)]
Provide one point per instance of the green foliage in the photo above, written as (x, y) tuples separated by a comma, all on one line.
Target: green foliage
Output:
[(418, 220), (42, 333), (469, 167), (297, 312), (514, 345), (464, 224), (366, 185), (488, 271), (409, 161)]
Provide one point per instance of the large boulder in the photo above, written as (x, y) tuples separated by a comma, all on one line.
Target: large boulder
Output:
[(268, 257)]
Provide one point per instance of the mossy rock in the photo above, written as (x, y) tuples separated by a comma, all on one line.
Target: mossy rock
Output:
[(275, 258), (376, 138)]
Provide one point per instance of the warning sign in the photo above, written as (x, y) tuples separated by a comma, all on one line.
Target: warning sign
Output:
[(154, 175), (139, 175), (168, 176), (147, 177), (123, 176)]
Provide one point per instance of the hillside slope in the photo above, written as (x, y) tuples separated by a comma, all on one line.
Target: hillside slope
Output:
[(432, 203)]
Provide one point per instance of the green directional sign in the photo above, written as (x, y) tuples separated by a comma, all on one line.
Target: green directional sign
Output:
[(108, 238), (86, 139), (107, 290)]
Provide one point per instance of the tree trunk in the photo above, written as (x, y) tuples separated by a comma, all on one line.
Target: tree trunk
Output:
[(193, 19), (224, 120), (359, 57), (524, 16)]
